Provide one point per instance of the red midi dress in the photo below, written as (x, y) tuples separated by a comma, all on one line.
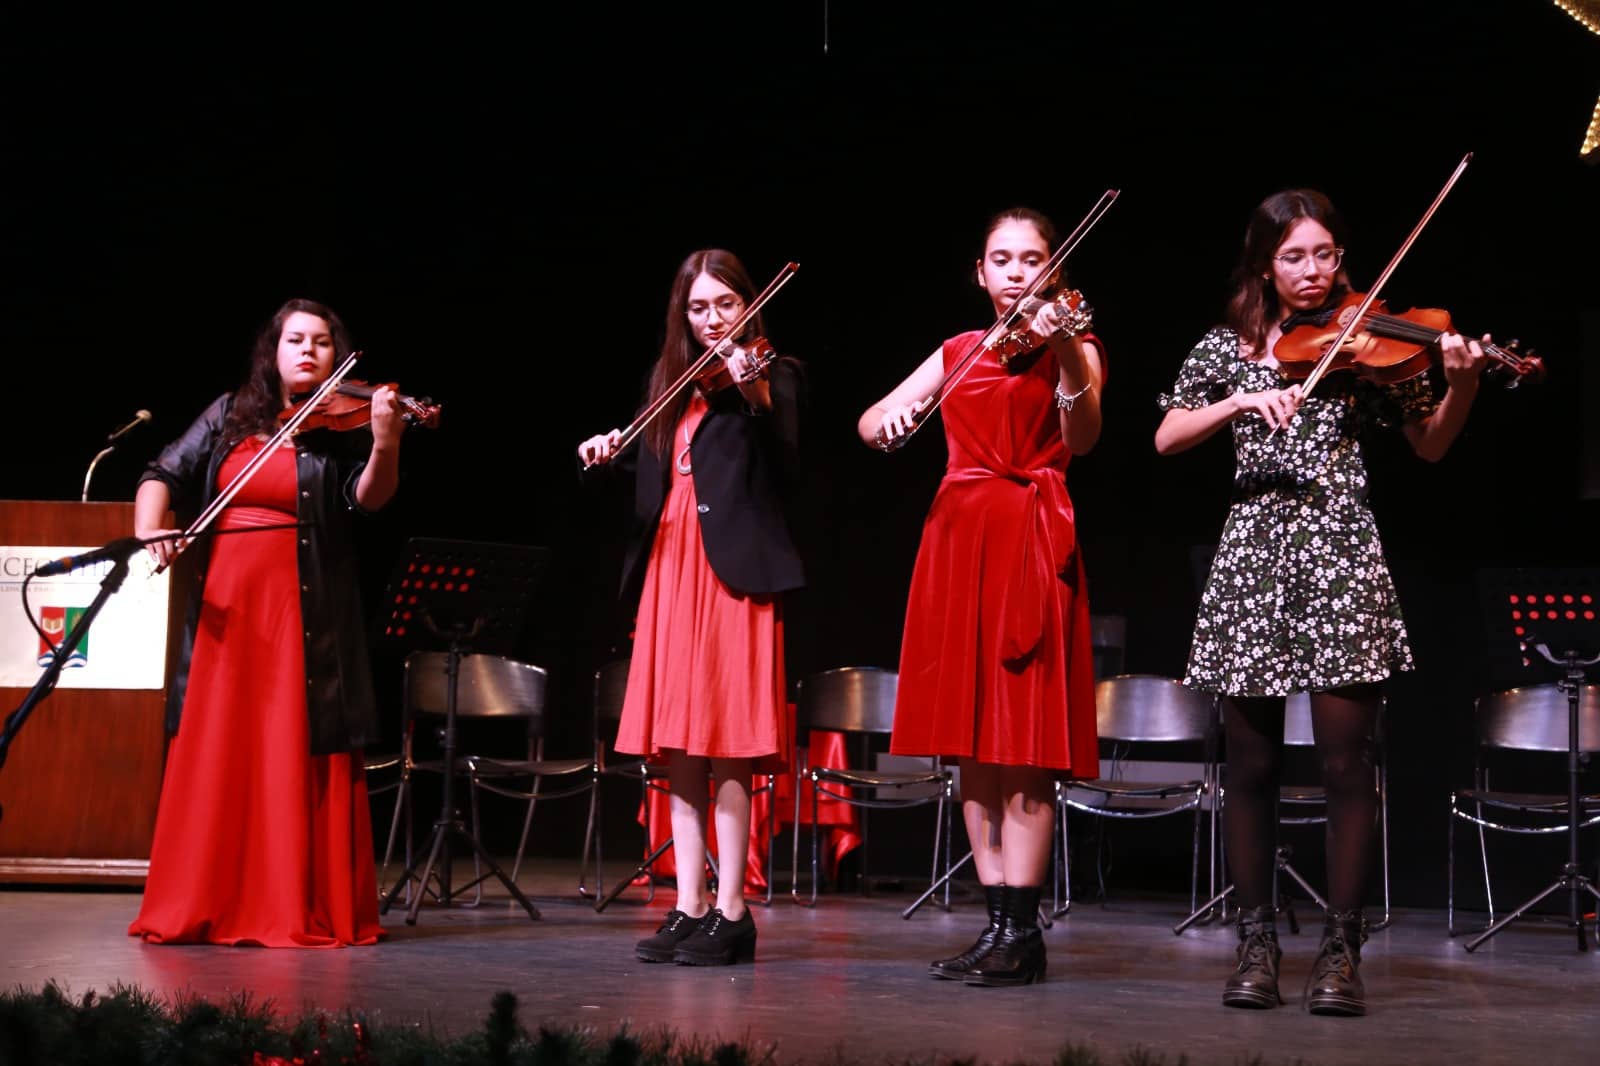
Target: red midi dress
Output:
[(707, 675), (257, 841), (996, 662)]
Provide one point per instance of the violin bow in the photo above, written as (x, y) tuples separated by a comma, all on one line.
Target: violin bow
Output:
[(257, 461), (1004, 323), (659, 404), (1372, 294)]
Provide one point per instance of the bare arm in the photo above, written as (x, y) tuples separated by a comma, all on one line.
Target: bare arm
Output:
[(1182, 428), (150, 506), (381, 476), (894, 415), (1431, 437), (1082, 376)]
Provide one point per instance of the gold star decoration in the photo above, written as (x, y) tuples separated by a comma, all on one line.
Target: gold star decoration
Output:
[(1587, 12)]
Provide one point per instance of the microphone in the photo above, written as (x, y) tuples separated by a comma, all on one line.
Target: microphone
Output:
[(119, 549), (139, 417)]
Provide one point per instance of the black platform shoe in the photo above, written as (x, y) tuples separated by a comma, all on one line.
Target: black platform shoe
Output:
[(1254, 982), (675, 929), (718, 941), (1334, 986), (958, 966), (1017, 957)]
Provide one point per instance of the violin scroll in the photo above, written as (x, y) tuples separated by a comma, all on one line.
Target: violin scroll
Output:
[(717, 375)]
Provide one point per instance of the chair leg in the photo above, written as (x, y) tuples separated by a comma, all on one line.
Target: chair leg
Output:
[(477, 863), (1383, 838), (400, 795), (1483, 854), (772, 830), (1194, 863), (815, 865), (794, 844), (590, 840), (527, 823)]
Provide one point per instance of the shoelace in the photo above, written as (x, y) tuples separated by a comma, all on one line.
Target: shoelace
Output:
[(1255, 950), (1334, 958), (715, 923)]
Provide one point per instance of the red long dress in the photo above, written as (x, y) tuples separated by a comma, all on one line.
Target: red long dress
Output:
[(996, 663), (707, 674), (257, 840)]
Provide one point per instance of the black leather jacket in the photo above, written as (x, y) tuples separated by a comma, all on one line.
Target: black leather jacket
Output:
[(339, 694), (744, 465)]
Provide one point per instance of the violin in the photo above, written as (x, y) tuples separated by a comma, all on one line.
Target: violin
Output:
[(349, 406), (1075, 313), (716, 376), (1384, 347)]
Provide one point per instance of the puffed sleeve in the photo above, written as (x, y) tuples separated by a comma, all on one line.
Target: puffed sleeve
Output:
[(1209, 375)]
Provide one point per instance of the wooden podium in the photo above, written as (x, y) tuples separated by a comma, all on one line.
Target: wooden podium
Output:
[(81, 782)]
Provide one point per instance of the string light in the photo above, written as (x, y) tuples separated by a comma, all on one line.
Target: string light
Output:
[(1587, 12)]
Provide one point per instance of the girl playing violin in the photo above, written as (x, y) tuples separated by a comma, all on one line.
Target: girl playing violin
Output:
[(706, 690), (1299, 597), (995, 664), (263, 834)]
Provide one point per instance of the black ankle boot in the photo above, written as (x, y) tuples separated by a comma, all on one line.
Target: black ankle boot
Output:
[(675, 929), (1254, 982), (1334, 986), (719, 941), (1017, 957), (958, 966)]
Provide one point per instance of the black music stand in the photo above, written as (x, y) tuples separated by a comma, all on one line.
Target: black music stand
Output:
[(1527, 613), (470, 596)]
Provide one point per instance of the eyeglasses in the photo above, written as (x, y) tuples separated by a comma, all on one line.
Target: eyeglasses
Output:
[(1297, 262), (727, 306)]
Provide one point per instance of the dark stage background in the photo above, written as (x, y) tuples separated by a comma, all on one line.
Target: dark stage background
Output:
[(495, 203)]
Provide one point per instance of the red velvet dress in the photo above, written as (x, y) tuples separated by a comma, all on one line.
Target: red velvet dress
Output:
[(996, 663), (257, 840), (707, 675)]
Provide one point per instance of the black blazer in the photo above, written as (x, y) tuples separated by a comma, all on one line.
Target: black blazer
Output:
[(744, 466), (340, 701)]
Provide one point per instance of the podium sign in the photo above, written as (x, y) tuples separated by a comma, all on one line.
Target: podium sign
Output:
[(126, 646), (81, 781)]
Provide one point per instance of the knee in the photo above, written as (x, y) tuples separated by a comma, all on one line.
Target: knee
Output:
[(1350, 767)]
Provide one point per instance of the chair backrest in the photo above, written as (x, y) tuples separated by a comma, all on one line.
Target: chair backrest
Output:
[(1108, 640), (1535, 718), (1143, 707), (487, 686), (850, 699), (610, 689), (1297, 729)]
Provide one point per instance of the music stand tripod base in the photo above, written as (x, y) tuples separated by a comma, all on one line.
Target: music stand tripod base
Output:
[(471, 596)]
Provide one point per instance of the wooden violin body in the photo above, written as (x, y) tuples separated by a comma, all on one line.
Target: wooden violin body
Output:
[(1383, 346), (350, 407), (716, 376)]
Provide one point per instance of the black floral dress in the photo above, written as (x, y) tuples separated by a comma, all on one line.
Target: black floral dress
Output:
[(1299, 596)]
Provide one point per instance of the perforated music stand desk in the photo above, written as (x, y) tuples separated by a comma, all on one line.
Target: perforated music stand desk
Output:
[(468, 597)]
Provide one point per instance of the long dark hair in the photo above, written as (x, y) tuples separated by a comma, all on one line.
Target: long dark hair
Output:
[(678, 346), (1040, 222), (258, 401), (1253, 307)]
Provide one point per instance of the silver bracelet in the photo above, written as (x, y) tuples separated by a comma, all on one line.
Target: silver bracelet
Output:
[(1064, 401)]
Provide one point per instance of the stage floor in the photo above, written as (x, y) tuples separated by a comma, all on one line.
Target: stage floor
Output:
[(850, 975)]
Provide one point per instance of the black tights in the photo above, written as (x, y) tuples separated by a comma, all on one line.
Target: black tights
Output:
[(1345, 722)]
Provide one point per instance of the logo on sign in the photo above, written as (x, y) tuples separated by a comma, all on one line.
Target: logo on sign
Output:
[(56, 623)]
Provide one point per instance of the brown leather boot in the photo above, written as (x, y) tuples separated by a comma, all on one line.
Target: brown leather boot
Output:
[(1254, 981), (1334, 986)]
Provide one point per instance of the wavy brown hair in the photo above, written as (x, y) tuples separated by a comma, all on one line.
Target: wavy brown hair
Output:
[(1253, 307), (258, 401), (678, 346)]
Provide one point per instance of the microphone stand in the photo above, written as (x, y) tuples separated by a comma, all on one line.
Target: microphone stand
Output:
[(1572, 877), (107, 450)]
